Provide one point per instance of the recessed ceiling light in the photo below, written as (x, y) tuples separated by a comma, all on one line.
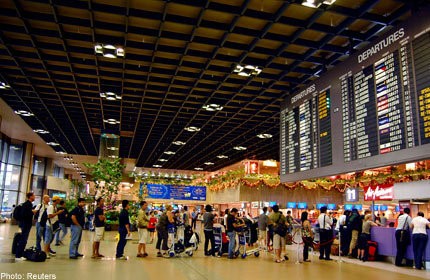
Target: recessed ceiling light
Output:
[(264, 136), (222, 156), (162, 160), (24, 113), (41, 131), (111, 121), (212, 107), (3, 85), (157, 166), (61, 152), (198, 168), (112, 148), (192, 129), (179, 143), (53, 144), (169, 153), (109, 50), (247, 70), (209, 163), (240, 148), (110, 96)]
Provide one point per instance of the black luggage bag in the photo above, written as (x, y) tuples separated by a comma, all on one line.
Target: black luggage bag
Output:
[(34, 255), (15, 242)]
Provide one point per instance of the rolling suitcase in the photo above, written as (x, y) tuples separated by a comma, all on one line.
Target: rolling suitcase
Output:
[(372, 250), (15, 242)]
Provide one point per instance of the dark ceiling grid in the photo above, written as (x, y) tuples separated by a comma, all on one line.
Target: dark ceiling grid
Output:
[(72, 71), (42, 62), (208, 63), (172, 72)]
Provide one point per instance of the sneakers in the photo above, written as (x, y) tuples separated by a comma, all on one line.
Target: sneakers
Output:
[(79, 255), (122, 258), (52, 252), (73, 257), (20, 259), (159, 255), (139, 255)]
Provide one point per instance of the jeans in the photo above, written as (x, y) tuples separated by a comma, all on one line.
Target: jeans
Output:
[(62, 231), (401, 249), (325, 243), (419, 242), (193, 223), (209, 236), (75, 240), (40, 234), (162, 236), (25, 231), (232, 243), (122, 242), (307, 243)]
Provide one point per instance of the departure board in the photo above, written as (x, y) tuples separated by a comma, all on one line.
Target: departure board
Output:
[(371, 110)]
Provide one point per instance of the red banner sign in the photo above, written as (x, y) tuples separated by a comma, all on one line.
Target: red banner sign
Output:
[(379, 192), (251, 167)]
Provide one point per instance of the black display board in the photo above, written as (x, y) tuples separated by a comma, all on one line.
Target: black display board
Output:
[(371, 110)]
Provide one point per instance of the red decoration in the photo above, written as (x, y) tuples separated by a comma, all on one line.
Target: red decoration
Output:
[(379, 192)]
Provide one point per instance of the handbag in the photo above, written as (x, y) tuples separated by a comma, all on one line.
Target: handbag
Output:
[(405, 236), (55, 226), (280, 228)]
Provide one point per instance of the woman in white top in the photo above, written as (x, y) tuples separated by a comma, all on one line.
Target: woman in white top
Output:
[(419, 227)]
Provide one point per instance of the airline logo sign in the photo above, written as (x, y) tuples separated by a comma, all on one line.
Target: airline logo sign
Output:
[(379, 192), (351, 195)]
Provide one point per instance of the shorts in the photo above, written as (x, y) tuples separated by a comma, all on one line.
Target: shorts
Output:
[(278, 242), (143, 235), (49, 236), (362, 241), (262, 234), (99, 234), (151, 229)]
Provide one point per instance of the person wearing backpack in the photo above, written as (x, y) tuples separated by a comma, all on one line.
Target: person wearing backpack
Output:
[(326, 234), (63, 229), (279, 223), (99, 224), (52, 217), (24, 215), (142, 227), (40, 224)]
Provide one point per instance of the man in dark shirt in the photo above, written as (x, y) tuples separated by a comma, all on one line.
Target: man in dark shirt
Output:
[(25, 224), (208, 221), (124, 230), (78, 221), (62, 222), (99, 224), (231, 231)]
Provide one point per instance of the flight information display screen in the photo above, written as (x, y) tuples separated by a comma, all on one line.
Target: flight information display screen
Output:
[(371, 110)]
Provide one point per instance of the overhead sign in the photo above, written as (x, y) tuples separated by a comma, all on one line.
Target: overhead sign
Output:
[(176, 192), (351, 195), (251, 167), (379, 192)]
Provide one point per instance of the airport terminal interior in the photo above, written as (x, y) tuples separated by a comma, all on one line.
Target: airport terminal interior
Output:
[(214, 139)]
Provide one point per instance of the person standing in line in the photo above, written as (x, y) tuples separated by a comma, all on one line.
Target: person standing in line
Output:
[(185, 216), (383, 220), (232, 225), (276, 219), (25, 223), (226, 212), (208, 222), (62, 220), (151, 226), (263, 221), (142, 227), (354, 225), (52, 215), (326, 234), (40, 229), (124, 230), (194, 219), (404, 222), (165, 222), (78, 220), (99, 224), (365, 237), (419, 227), (307, 236), (269, 230)]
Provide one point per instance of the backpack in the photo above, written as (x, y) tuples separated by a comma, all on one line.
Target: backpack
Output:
[(280, 228), (17, 212), (44, 218), (36, 216)]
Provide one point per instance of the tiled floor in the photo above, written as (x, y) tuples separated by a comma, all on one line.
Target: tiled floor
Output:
[(196, 267)]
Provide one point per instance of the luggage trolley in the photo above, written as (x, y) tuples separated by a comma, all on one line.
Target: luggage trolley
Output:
[(179, 243), (221, 241), (244, 236)]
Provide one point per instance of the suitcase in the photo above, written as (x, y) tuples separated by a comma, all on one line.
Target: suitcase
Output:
[(372, 250), (34, 255), (15, 242)]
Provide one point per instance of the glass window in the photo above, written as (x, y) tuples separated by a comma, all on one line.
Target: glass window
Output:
[(39, 166), (9, 200), (15, 154), (12, 175), (5, 149), (37, 185)]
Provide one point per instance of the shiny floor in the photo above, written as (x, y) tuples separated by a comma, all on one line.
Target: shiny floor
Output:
[(195, 267)]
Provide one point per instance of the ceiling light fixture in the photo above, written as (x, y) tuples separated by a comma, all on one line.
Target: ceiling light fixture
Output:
[(192, 129), (111, 121), (222, 156), (169, 153), (247, 70), (179, 143), (110, 96), (209, 163), (61, 152), (157, 166), (316, 3), (265, 136), (212, 107), (24, 113), (3, 85), (240, 148), (198, 168), (112, 148), (109, 51), (53, 144), (163, 160), (113, 156), (41, 131)]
